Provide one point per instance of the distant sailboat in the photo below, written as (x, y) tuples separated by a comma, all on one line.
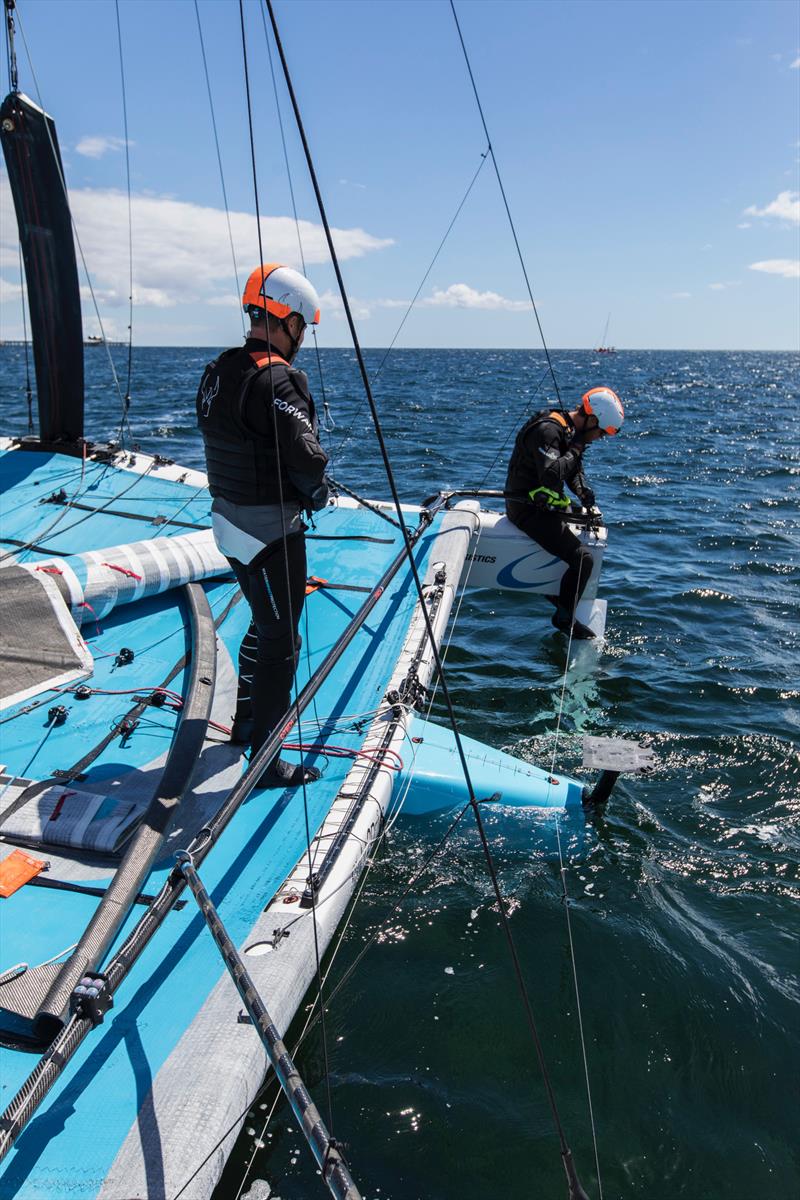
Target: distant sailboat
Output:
[(604, 347)]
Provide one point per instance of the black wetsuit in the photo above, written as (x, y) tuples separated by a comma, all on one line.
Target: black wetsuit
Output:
[(259, 487), (547, 456)]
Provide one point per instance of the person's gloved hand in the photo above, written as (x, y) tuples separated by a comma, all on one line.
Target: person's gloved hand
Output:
[(319, 497), (587, 498)]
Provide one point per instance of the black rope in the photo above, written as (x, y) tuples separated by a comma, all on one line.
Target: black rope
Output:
[(126, 403), (219, 162), (373, 508), (505, 202), (28, 392), (325, 405), (286, 566), (565, 1151)]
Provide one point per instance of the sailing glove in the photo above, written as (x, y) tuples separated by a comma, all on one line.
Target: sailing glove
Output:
[(587, 498), (319, 497)]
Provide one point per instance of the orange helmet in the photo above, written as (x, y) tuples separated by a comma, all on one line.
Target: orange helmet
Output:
[(280, 290), (606, 405)]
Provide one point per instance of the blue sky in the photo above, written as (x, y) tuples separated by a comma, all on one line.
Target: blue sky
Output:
[(649, 152)]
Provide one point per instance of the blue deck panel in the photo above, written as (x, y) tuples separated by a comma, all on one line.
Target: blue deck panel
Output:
[(69, 1146)]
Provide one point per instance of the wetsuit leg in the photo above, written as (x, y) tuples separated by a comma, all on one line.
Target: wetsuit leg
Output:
[(248, 651), (553, 535), (276, 604)]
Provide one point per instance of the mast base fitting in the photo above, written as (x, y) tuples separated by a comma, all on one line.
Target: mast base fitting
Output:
[(91, 998)]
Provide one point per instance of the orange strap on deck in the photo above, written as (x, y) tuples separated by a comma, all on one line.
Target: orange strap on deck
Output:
[(17, 869)]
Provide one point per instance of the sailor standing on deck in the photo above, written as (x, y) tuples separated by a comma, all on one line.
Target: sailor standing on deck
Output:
[(265, 467), (548, 454)]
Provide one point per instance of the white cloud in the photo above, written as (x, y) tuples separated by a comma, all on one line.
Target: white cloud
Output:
[(9, 290), (744, 225), (181, 251), (96, 147), (460, 295), (681, 296), (722, 287), (796, 64), (331, 305), (785, 207), (788, 267)]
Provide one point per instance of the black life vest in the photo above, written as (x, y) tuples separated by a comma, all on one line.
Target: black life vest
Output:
[(525, 469), (241, 462)]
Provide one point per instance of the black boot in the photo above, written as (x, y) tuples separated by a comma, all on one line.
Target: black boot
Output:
[(580, 632), (241, 731), (281, 774)]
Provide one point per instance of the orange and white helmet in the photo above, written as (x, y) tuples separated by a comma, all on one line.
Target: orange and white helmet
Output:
[(281, 291), (606, 405)]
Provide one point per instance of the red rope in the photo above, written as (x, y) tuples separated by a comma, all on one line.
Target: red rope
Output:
[(122, 571)]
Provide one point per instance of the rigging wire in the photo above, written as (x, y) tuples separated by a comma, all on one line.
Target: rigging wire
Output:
[(28, 392), (126, 403), (406, 314), (221, 172), (512, 430), (63, 183), (563, 876), (346, 436), (328, 423), (52, 721), (101, 508), (286, 561), (40, 534), (505, 202), (569, 645), (576, 1190)]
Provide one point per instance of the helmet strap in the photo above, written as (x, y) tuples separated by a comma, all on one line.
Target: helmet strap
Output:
[(295, 341)]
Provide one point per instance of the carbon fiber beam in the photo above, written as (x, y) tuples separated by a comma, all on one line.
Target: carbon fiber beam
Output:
[(149, 838), (328, 1157)]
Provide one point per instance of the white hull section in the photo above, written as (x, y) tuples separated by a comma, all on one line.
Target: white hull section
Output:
[(502, 557)]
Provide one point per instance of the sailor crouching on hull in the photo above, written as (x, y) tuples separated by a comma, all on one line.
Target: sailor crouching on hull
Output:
[(548, 454), (265, 468)]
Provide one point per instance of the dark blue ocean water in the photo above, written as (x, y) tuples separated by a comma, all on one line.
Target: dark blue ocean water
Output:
[(683, 897)]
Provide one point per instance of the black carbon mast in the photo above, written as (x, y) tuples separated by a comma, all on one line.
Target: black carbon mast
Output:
[(36, 176)]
